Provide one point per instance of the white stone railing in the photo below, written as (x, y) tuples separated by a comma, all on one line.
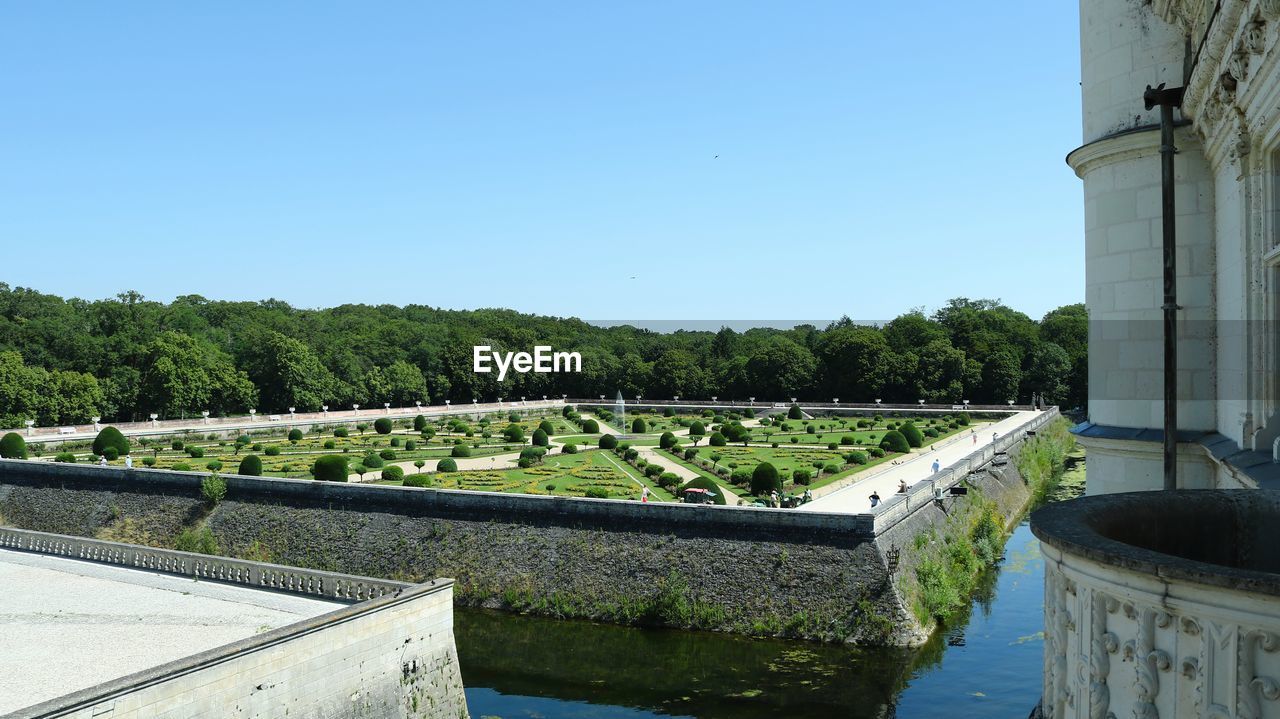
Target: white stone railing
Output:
[(1133, 632), (329, 585)]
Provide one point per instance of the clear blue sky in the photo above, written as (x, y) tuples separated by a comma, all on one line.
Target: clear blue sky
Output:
[(873, 157)]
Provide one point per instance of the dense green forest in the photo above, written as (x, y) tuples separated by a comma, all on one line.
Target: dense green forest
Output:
[(64, 360)]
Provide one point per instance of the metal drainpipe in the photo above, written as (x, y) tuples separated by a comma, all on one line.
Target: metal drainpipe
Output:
[(1168, 99)]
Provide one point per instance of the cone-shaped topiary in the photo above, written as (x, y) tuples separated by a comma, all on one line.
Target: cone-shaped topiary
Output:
[(546, 426), (540, 438), (110, 437), (765, 479), (13, 446), (330, 468), (250, 466)]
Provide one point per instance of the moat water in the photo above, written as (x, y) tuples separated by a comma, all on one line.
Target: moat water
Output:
[(986, 663)]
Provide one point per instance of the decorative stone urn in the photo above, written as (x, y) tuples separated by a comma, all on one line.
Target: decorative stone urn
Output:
[(1162, 604)]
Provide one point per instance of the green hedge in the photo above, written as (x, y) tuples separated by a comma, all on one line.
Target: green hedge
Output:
[(330, 468), (382, 425), (110, 437), (250, 466), (13, 446)]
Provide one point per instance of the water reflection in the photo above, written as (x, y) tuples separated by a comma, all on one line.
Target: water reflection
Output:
[(986, 664)]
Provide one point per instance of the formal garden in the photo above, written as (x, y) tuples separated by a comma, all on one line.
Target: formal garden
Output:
[(733, 455)]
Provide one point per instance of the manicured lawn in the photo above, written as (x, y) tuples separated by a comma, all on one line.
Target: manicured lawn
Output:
[(568, 475)]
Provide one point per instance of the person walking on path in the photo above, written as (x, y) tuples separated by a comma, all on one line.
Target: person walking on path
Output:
[(128, 461), (974, 433), (875, 499), (902, 486), (102, 461), (936, 466), (644, 494)]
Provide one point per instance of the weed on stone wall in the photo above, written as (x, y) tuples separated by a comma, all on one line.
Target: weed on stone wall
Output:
[(1042, 459)]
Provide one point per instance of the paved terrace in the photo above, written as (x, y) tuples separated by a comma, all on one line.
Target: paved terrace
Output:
[(68, 624)]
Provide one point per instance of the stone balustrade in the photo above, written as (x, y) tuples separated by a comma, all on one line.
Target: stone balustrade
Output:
[(260, 575), (1162, 604)]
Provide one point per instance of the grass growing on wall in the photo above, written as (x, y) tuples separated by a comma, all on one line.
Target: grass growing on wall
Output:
[(952, 560), (1043, 458)]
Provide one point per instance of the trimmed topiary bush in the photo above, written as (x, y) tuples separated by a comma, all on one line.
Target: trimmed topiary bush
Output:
[(638, 426), (176, 445), (608, 441), (460, 450), (569, 449), (382, 425), (667, 440), (387, 454), (271, 451), (876, 452), (547, 427), (110, 453), (801, 476), (590, 426), (740, 477), (419, 423), (513, 433), (764, 479), (181, 467), (250, 466), (914, 436), (540, 438), (718, 440), (66, 457), (13, 446), (110, 437), (213, 465), (446, 465), (894, 441), (295, 435), (393, 474), (794, 412), (717, 493), (963, 419), (341, 432), (418, 480), (330, 468)]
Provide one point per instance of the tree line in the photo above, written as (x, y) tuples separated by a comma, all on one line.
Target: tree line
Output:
[(65, 360)]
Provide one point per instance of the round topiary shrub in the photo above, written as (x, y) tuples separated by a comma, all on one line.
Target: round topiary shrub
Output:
[(393, 474), (569, 449), (856, 458), (540, 438), (213, 465), (690, 452), (181, 467), (410, 445), (330, 444), (894, 441), (963, 419), (764, 479), (176, 445), (67, 457), (295, 435), (250, 466), (110, 437), (931, 432), (802, 476), (418, 480), (718, 440), (914, 436), (419, 423), (638, 426), (382, 425), (590, 426), (387, 454), (341, 432), (460, 450), (608, 441), (794, 412), (697, 428), (110, 453), (446, 465), (741, 477), (330, 468), (667, 440), (876, 452), (271, 451), (546, 426), (395, 442), (652, 470), (13, 446), (372, 461), (717, 493), (631, 454)]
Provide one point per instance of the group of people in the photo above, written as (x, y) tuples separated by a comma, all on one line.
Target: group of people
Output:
[(128, 461)]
